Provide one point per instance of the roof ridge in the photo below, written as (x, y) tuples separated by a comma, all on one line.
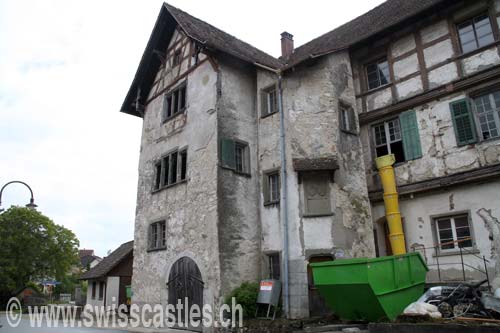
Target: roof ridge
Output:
[(169, 6)]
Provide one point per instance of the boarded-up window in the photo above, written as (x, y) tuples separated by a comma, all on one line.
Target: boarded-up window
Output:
[(463, 122), (235, 155), (316, 193)]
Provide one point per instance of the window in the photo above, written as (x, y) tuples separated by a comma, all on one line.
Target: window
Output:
[(269, 101), (157, 235), (487, 109), (453, 232), (274, 266), (94, 287), (102, 287), (378, 74), (316, 193), (171, 169), (235, 155), (174, 102), (176, 60), (271, 187), (347, 118), (475, 33), (398, 136)]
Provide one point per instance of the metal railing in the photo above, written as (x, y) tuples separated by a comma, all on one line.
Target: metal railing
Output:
[(462, 251)]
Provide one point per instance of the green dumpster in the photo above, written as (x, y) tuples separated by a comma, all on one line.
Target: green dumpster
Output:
[(371, 289)]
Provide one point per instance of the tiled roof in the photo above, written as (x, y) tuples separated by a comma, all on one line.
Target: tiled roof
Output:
[(215, 38), (380, 18), (109, 262)]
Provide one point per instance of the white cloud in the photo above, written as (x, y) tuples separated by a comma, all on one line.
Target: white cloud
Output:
[(65, 67)]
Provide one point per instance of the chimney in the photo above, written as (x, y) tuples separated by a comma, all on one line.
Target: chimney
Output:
[(286, 45)]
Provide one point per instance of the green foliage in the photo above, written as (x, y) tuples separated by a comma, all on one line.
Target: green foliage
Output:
[(246, 296), (33, 248), (34, 286)]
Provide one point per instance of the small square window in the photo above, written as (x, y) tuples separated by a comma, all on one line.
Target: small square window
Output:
[(174, 102), (377, 74)]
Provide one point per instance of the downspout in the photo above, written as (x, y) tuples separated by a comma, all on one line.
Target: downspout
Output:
[(283, 190), (284, 201)]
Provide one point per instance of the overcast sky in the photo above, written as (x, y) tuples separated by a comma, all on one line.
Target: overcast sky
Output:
[(65, 67)]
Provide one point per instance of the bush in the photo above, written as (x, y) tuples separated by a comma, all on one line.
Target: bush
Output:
[(246, 296)]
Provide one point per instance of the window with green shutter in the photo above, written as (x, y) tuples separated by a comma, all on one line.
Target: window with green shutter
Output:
[(235, 155), (410, 135), (463, 122)]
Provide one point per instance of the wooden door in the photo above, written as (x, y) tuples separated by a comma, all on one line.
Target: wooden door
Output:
[(317, 305), (185, 284)]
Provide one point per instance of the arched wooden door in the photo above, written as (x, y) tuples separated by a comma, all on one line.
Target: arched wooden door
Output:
[(186, 284)]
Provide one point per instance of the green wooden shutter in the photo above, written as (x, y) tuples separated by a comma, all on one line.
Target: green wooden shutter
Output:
[(463, 122), (228, 159), (410, 135)]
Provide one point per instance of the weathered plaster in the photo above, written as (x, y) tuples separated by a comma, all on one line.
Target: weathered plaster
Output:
[(438, 53), (406, 66), (481, 61), (434, 31)]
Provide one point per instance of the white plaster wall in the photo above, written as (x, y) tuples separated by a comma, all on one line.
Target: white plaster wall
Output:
[(481, 61), (96, 301), (438, 53), (403, 45), (189, 208), (443, 75), (410, 87), (419, 211), (406, 66), (378, 99), (434, 31)]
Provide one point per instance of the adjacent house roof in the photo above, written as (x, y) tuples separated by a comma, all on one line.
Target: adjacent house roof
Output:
[(85, 252), (109, 262), (382, 17), (86, 260), (387, 15)]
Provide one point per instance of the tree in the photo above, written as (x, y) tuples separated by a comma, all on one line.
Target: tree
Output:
[(32, 248)]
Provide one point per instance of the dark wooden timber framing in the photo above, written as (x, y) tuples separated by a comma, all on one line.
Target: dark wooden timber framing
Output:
[(421, 61), (456, 46), (486, 77), (390, 61), (477, 176)]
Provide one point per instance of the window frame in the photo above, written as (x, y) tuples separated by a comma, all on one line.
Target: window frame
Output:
[(387, 136), (267, 188), (451, 216), (163, 180), (102, 290), (160, 227), (472, 19), (271, 264), (350, 127), (94, 290), (176, 58), (266, 109), (172, 99), (237, 144), (495, 110), (377, 63)]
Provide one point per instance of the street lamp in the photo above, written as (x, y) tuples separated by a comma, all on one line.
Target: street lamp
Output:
[(30, 205)]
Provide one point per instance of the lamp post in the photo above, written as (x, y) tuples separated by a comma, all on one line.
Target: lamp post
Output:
[(30, 205)]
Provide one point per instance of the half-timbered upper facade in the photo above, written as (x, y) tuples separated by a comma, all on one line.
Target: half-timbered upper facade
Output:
[(415, 79)]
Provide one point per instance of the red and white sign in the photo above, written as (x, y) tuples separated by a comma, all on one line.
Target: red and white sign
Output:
[(266, 286)]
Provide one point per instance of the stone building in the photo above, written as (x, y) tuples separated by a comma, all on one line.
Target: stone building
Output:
[(414, 78)]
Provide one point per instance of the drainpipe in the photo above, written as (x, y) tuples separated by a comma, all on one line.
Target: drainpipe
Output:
[(284, 201)]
